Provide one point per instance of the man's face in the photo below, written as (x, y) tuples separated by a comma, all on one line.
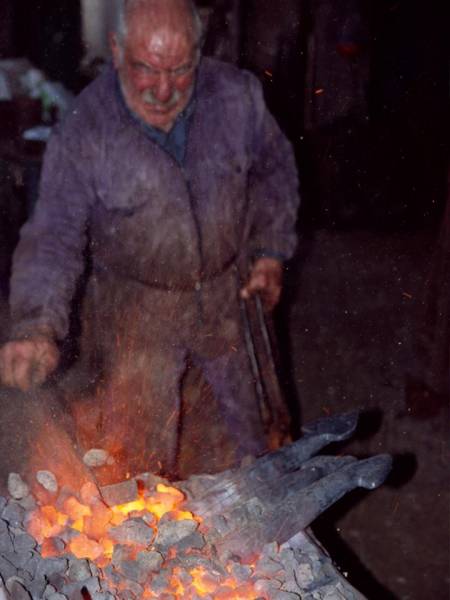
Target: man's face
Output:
[(157, 70)]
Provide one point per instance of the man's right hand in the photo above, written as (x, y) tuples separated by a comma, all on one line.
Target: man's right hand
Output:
[(26, 364)]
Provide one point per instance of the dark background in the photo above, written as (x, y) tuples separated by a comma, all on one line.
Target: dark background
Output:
[(407, 93), (365, 317)]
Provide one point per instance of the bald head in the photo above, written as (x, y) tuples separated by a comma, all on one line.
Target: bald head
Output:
[(156, 52), (178, 17)]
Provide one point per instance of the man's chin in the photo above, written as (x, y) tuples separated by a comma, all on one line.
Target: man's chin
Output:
[(161, 118)]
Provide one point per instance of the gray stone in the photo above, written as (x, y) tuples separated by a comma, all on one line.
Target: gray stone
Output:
[(220, 524), (18, 560), (133, 531), (56, 596), (92, 584), (28, 503), (140, 569), (17, 590), (330, 592), (49, 590), (95, 571), (266, 586), (191, 561), (171, 533), (97, 458), (271, 550), (120, 493), (24, 542), (52, 566), (6, 543), (25, 576), (74, 589), (304, 575), (79, 570), (228, 556), (120, 554), (48, 481), (194, 541), (37, 587), (288, 558), (33, 563), (281, 595), (13, 514), (150, 561), (7, 569), (160, 583), (57, 580), (17, 487), (266, 567), (131, 570), (241, 573), (290, 584)]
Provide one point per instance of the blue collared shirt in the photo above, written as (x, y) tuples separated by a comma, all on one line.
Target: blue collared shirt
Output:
[(174, 142)]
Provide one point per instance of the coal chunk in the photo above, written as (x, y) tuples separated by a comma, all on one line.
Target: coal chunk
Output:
[(171, 533), (133, 531), (120, 493)]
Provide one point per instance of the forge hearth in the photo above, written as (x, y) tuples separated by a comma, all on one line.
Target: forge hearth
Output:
[(238, 535)]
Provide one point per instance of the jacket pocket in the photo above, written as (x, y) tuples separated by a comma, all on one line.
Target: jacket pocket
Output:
[(125, 197)]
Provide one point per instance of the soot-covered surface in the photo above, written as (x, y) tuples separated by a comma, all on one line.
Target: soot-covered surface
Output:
[(354, 321)]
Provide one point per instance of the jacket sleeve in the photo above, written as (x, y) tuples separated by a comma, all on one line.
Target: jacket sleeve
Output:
[(273, 184), (49, 258)]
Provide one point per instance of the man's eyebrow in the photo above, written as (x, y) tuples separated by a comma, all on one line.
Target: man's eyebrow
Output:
[(184, 65), (140, 63)]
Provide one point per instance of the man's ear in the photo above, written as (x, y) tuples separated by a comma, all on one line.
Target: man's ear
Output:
[(116, 50)]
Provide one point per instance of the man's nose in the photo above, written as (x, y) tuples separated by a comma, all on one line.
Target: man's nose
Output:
[(164, 88)]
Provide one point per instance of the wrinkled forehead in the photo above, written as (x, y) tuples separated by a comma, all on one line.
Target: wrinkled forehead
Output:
[(161, 42), (165, 32)]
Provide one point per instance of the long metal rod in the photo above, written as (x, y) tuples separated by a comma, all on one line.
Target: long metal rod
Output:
[(254, 364), (265, 332)]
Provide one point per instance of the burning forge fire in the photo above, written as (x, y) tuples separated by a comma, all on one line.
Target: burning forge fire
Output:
[(153, 527)]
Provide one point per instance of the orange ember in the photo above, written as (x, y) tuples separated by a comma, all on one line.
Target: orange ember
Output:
[(84, 530)]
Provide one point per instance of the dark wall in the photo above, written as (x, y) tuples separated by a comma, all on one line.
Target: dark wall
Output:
[(6, 28), (274, 47), (409, 102), (49, 34)]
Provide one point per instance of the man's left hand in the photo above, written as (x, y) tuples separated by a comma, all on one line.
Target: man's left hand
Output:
[(266, 280)]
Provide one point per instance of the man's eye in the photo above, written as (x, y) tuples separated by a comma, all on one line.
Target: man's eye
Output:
[(182, 70), (141, 68)]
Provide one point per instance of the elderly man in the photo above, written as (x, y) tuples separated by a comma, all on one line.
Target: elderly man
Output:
[(172, 176)]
